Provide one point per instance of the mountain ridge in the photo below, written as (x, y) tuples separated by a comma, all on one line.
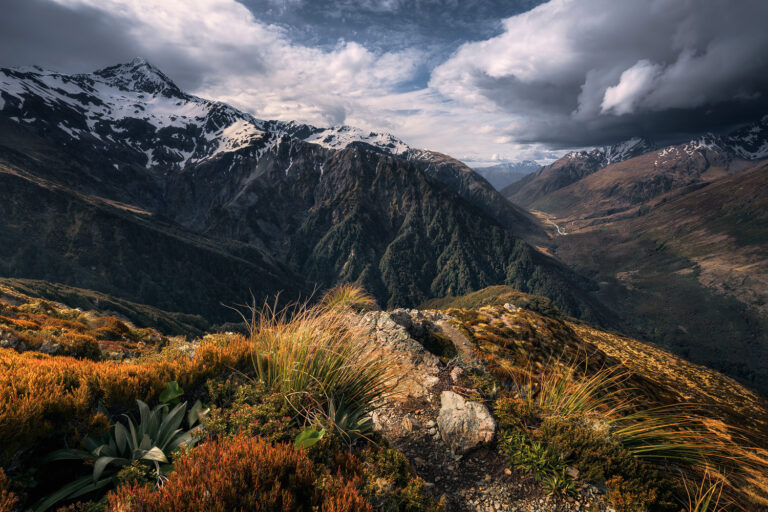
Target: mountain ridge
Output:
[(290, 196)]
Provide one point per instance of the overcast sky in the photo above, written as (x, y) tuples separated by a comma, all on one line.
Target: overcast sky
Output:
[(482, 80)]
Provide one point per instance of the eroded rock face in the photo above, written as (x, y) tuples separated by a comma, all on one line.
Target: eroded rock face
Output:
[(464, 425), (419, 368)]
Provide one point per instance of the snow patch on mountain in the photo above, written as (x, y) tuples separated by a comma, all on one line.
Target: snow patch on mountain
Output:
[(625, 150), (339, 137), (236, 136), (750, 142)]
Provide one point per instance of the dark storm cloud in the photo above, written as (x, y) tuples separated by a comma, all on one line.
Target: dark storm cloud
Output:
[(81, 39), (39, 32), (590, 72)]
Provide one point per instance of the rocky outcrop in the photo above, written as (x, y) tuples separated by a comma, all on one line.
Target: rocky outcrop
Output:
[(420, 368), (448, 439)]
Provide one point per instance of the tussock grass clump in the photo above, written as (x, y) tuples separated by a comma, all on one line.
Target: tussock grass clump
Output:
[(348, 297), (589, 419), (319, 354), (705, 495), (560, 392)]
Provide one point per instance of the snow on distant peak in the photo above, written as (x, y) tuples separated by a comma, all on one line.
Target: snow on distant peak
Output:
[(750, 142), (237, 136), (135, 105), (708, 141), (339, 137), (625, 150)]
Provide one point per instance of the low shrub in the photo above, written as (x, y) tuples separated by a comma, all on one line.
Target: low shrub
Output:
[(529, 455), (8, 499), (242, 473), (44, 397), (384, 477), (80, 346), (242, 406), (602, 459)]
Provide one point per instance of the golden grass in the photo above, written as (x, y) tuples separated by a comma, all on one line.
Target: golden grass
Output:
[(321, 352), (705, 495), (348, 297), (664, 410)]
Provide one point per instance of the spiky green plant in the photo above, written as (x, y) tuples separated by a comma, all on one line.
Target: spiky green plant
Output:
[(152, 440), (559, 483)]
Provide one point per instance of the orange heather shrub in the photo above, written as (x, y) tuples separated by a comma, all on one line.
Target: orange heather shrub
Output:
[(7, 499), (241, 473), (42, 396)]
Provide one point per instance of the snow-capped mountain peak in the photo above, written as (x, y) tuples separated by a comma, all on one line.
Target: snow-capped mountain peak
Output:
[(750, 142), (138, 75), (135, 107)]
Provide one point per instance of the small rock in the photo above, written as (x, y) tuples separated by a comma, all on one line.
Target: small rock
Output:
[(507, 471), (8, 339), (50, 347), (456, 374), (188, 350), (464, 425), (572, 472)]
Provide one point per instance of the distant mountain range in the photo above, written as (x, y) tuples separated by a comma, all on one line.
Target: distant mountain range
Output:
[(503, 175), (120, 182), (676, 236), (746, 144)]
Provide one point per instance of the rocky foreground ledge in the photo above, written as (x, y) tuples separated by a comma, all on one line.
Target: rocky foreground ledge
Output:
[(437, 422)]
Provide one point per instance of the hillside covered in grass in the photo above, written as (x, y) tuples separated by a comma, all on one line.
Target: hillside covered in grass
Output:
[(475, 403)]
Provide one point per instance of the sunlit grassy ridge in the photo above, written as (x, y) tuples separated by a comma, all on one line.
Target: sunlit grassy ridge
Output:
[(46, 397), (35, 324), (586, 397)]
